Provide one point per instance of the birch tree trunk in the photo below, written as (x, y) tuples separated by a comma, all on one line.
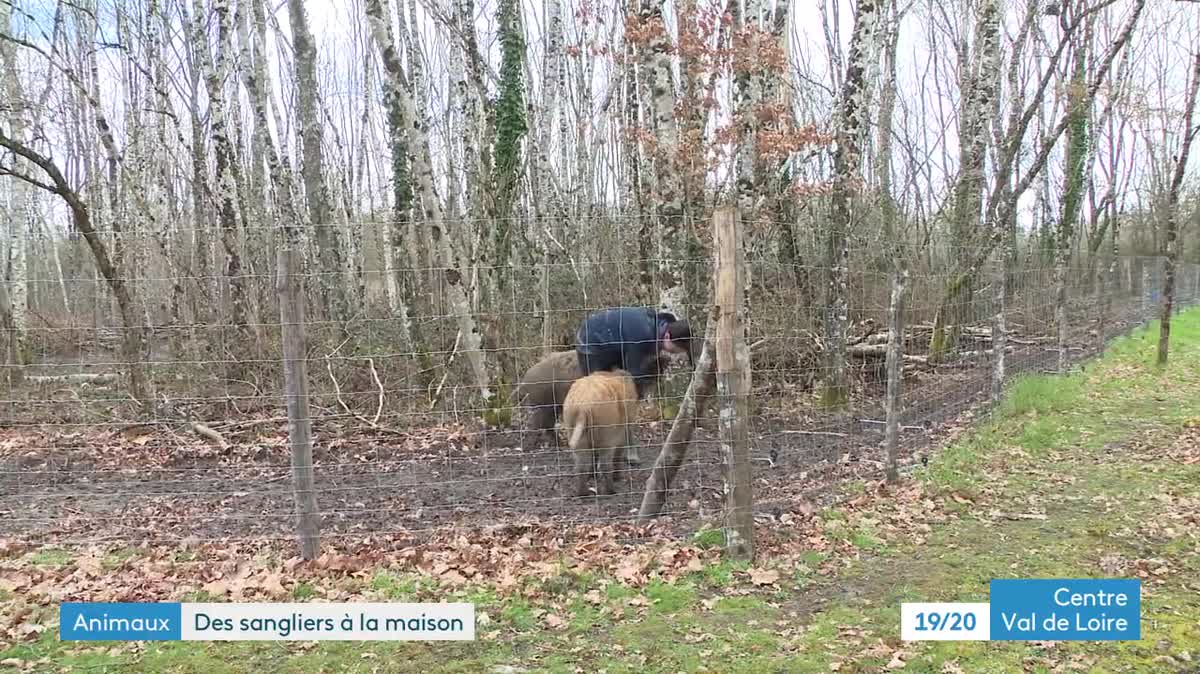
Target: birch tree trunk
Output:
[(893, 403), (980, 83), (666, 185), (889, 219), (257, 81), (999, 325), (421, 254), (547, 208), (215, 76), (14, 272), (846, 159), (199, 244), (478, 133), (1172, 233), (165, 223), (472, 344), (399, 225), (316, 193)]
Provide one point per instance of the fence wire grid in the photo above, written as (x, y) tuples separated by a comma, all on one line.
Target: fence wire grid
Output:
[(403, 444)]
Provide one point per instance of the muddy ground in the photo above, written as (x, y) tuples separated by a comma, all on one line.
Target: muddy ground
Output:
[(162, 482)]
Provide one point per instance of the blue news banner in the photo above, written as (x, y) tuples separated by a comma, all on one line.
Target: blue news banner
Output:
[(265, 622), (1039, 609)]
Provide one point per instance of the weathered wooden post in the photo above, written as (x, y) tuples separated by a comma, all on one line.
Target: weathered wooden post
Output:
[(733, 382), (289, 284)]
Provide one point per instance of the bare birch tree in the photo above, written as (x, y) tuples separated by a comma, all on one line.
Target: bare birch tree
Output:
[(13, 264), (316, 192), (653, 44), (1171, 260), (379, 17), (980, 83), (226, 194), (846, 160)]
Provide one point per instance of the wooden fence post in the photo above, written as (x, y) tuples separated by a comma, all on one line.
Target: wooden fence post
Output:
[(290, 286), (733, 382)]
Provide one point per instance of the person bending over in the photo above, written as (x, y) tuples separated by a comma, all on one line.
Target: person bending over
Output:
[(630, 338)]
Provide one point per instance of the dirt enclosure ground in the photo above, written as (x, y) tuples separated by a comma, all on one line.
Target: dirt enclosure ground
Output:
[(162, 482)]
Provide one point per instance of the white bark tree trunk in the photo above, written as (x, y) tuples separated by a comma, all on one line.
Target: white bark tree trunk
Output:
[(1172, 234), (847, 157), (980, 78), (666, 185), (15, 268), (226, 188), (316, 192), (472, 343), (401, 283), (893, 403), (547, 208)]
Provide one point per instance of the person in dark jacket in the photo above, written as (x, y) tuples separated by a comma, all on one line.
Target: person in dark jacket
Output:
[(630, 338)]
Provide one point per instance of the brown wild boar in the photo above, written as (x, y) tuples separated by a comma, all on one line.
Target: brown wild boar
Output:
[(597, 415), (543, 389)]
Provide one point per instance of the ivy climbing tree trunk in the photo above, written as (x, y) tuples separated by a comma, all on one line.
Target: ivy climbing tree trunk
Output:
[(510, 129), (1078, 112)]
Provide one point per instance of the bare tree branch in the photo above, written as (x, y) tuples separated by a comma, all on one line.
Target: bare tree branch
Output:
[(6, 171)]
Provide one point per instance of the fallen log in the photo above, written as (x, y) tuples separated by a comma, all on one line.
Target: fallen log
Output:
[(204, 431), (880, 351), (79, 378)]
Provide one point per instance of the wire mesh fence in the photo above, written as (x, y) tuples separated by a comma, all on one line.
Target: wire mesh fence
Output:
[(407, 445)]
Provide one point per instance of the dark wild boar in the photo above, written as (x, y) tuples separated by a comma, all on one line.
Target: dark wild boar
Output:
[(543, 389)]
